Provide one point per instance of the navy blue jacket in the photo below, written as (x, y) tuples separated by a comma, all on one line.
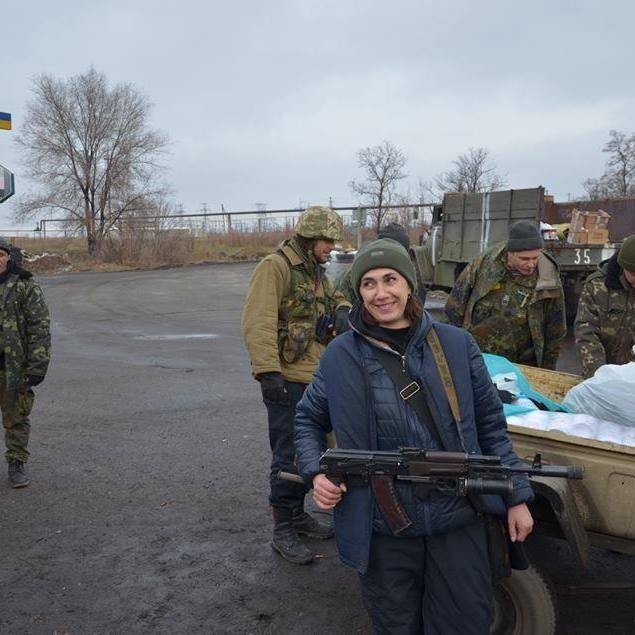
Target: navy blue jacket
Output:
[(352, 394)]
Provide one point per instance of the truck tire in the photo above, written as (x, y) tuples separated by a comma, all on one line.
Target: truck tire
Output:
[(524, 605)]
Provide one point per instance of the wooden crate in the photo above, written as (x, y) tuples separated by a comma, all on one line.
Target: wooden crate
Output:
[(551, 383)]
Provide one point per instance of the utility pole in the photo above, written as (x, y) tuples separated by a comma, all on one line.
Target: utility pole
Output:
[(262, 215)]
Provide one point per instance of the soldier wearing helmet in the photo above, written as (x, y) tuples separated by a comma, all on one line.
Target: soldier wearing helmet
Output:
[(291, 312)]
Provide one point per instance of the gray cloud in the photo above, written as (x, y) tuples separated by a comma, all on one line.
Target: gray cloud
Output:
[(269, 102)]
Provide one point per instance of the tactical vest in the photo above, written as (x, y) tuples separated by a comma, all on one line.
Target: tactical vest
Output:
[(307, 306)]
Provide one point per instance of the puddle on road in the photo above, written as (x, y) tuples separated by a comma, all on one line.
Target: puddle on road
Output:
[(182, 336)]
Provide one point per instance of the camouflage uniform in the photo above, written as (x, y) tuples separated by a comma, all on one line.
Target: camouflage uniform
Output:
[(605, 321), (26, 344), (344, 286), (519, 317)]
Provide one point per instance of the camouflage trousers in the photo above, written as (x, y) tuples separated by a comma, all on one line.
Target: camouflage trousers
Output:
[(15, 406)]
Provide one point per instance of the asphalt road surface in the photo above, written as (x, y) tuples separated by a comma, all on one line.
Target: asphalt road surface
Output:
[(148, 506)]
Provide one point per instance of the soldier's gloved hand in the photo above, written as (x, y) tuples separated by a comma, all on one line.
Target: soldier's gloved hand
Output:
[(340, 324), (272, 387), (34, 380)]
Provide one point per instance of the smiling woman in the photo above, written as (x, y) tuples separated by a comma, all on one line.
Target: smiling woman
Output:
[(385, 293), (433, 574)]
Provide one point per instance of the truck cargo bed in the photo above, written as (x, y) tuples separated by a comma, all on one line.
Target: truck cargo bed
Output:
[(606, 495)]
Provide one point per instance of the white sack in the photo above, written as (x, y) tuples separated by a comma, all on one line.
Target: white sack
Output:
[(608, 395)]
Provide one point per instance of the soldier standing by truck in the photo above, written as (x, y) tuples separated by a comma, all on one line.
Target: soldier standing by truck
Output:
[(605, 322), (510, 298), (291, 312)]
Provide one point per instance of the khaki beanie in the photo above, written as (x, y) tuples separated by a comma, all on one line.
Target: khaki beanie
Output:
[(383, 253)]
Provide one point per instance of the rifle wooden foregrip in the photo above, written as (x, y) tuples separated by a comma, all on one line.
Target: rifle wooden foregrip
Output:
[(386, 495), (288, 476)]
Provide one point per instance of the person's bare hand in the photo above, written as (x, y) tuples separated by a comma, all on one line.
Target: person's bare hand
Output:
[(519, 522), (327, 494)]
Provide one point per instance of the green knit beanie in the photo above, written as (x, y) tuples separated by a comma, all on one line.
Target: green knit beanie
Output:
[(383, 253), (626, 257)]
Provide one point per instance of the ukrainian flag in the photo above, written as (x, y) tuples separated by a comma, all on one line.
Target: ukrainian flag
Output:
[(5, 121)]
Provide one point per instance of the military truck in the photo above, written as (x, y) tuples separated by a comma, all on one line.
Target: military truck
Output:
[(468, 223)]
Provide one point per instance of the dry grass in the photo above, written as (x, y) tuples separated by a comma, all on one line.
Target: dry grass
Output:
[(148, 248)]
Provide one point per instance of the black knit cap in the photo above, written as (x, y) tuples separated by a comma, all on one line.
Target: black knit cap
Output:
[(5, 245), (395, 231), (524, 236), (626, 255), (379, 254)]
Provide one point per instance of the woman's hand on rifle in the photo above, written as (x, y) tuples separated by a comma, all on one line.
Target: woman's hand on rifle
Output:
[(519, 522), (327, 494)]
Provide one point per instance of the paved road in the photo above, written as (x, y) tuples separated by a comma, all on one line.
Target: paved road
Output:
[(148, 509)]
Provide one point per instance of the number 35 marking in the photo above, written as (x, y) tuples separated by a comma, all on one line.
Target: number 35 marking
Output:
[(582, 256)]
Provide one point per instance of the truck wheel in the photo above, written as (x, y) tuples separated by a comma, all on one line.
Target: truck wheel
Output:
[(524, 605)]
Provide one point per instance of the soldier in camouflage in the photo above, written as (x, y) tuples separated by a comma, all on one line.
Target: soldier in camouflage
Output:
[(510, 298), (24, 356), (397, 232), (605, 321), (291, 312)]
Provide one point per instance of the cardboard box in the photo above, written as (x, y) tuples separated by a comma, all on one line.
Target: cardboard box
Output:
[(577, 221), (590, 220), (578, 237), (603, 219), (598, 236)]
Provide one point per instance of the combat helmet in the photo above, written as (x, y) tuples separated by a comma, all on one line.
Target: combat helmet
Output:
[(319, 221)]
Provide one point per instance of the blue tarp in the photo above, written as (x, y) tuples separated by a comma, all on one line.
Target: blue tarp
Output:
[(500, 365)]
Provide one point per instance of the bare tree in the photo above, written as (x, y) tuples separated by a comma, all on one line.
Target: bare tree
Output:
[(89, 151), (618, 179), (383, 165), (473, 171)]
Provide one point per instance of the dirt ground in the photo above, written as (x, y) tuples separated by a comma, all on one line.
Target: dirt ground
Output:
[(148, 506)]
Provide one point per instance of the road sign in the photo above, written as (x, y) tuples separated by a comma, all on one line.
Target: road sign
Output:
[(7, 184), (5, 121)]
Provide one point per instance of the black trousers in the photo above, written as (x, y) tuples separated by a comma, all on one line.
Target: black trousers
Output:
[(281, 438), (435, 584)]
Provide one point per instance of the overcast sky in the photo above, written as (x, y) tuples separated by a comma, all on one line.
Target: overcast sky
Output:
[(269, 102)]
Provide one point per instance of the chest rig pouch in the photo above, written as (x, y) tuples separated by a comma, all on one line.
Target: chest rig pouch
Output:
[(306, 305)]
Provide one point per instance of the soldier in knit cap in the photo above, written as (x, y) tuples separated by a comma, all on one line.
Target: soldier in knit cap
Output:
[(510, 298), (605, 321), (395, 232)]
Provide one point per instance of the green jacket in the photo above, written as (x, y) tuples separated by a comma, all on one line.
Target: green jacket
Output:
[(545, 306), (288, 295), (25, 329), (605, 321)]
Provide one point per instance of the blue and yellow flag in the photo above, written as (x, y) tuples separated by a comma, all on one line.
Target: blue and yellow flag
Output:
[(5, 121)]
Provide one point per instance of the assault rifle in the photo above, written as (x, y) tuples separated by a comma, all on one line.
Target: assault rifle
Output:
[(453, 473)]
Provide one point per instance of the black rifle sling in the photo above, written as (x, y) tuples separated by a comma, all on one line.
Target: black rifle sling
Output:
[(410, 390)]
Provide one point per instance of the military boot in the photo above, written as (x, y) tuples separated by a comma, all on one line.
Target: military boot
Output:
[(308, 525), (285, 538), (17, 474)]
